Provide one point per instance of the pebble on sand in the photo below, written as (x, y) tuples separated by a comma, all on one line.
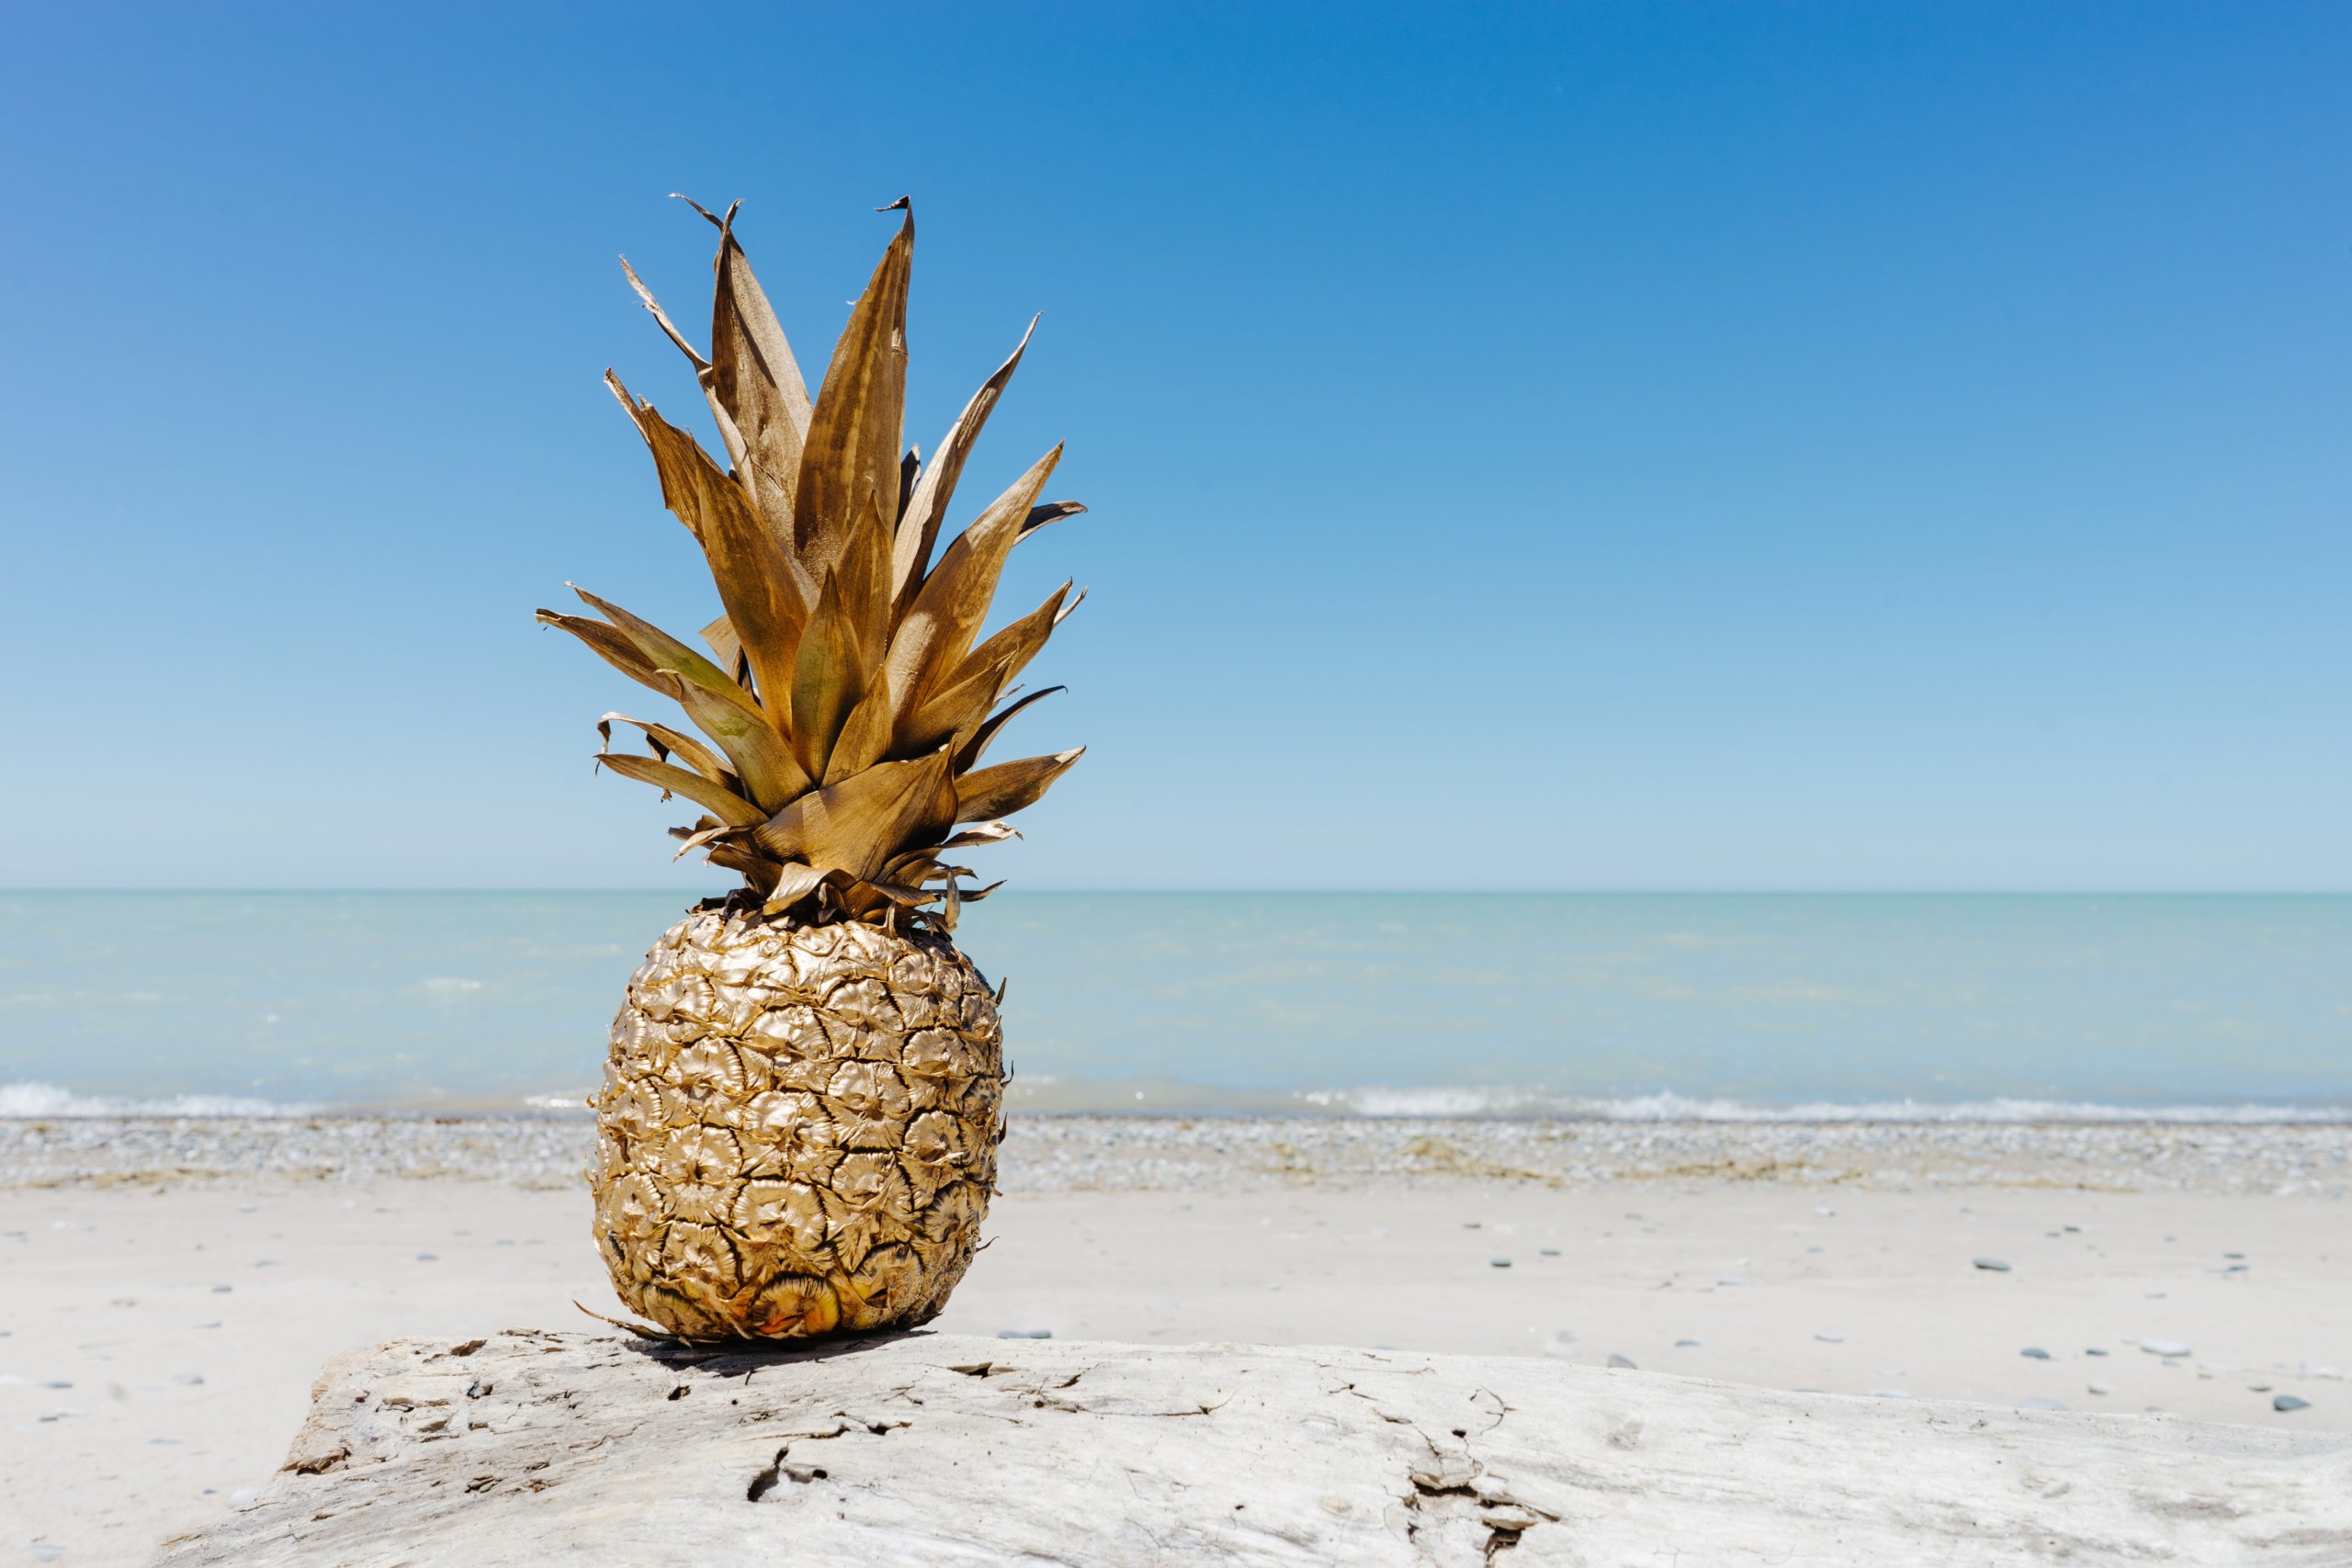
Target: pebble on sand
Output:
[(1731, 1280), (1024, 1334), (2290, 1401), (2036, 1351), (1688, 1344), (2164, 1347), (1993, 1265), (2097, 1388), (1617, 1360), (1497, 1262), (1550, 1251), (1831, 1339)]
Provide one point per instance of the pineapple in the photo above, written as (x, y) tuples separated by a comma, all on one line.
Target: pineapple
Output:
[(797, 1125)]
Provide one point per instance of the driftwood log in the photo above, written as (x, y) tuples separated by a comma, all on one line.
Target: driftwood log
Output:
[(536, 1449)]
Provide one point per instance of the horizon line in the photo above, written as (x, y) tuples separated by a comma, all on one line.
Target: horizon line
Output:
[(128, 891)]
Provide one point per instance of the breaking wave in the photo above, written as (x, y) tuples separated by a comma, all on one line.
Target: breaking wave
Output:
[(1667, 1106), (27, 1100)]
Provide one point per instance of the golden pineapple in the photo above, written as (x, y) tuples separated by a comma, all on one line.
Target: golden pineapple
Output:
[(797, 1131)]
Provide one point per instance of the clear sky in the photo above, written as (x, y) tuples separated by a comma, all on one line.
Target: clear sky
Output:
[(1658, 446)]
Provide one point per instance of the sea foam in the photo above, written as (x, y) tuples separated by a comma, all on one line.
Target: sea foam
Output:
[(37, 1100)]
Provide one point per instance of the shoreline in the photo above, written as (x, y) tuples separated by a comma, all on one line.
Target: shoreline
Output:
[(1067, 1152)]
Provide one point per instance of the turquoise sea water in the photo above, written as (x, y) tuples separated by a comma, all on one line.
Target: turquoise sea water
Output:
[(1623, 1005)]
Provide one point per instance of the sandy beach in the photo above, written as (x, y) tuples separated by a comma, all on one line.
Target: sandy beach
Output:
[(171, 1287)]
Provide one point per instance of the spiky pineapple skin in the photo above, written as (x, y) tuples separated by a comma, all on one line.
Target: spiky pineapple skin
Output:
[(798, 1127)]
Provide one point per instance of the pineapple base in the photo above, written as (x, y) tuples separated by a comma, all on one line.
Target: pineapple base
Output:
[(798, 1127)]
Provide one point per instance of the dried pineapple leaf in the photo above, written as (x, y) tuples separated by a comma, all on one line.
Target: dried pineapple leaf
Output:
[(970, 757), (828, 680), (664, 740), (858, 824), (720, 636), (664, 652), (613, 646), (1010, 650), (793, 883), (719, 707), (938, 628), (726, 421), (927, 509), (691, 841), (753, 377), (1006, 788), (1052, 512), (894, 892), (910, 471), (852, 447), (731, 807), (757, 872), (645, 297), (866, 736), (960, 706), (919, 861), (758, 581), (982, 833)]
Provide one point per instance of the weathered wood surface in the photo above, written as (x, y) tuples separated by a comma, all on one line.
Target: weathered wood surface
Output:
[(535, 1448)]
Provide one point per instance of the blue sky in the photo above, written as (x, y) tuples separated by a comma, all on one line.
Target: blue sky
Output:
[(1616, 446)]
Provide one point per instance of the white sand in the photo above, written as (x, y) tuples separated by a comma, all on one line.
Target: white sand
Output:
[(109, 1289)]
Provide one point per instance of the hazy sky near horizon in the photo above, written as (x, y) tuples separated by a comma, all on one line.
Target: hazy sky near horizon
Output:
[(1660, 446)]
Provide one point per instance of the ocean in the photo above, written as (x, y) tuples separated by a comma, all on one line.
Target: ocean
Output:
[(1732, 1007)]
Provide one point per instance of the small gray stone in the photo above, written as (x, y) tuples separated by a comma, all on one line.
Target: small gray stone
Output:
[(2036, 1351), (2290, 1401), (477, 1389), (191, 1379), (2098, 1388), (1551, 1251), (1731, 1280), (1831, 1339), (1498, 1262), (1617, 1360), (222, 1289), (2164, 1347), (1688, 1344), (1024, 1334), (427, 1257), (1993, 1265)]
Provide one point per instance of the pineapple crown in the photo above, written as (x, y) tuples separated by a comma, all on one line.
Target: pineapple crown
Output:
[(851, 700)]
